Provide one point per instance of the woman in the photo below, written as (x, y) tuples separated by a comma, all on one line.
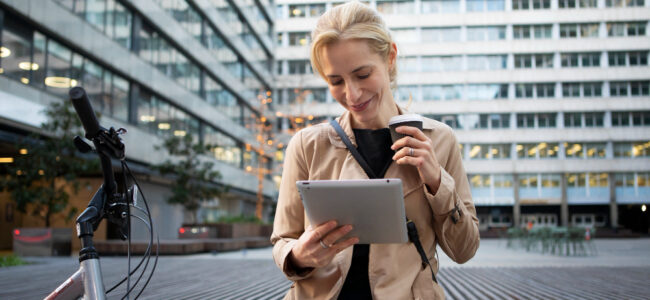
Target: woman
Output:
[(353, 51)]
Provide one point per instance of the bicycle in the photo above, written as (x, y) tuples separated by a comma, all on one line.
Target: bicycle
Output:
[(109, 203)]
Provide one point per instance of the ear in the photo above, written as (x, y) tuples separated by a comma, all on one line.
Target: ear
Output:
[(392, 56)]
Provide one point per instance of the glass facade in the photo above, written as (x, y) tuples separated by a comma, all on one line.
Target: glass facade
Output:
[(36, 59)]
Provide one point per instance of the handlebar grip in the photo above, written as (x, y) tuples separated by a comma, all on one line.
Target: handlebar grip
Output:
[(85, 111)]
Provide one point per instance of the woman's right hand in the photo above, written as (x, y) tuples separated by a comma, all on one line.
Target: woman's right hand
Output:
[(309, 253)]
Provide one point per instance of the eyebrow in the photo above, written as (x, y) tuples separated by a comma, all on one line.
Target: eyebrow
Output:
[(353, 71)]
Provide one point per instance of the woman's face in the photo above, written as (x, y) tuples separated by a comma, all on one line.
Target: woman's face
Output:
[(358, 79)]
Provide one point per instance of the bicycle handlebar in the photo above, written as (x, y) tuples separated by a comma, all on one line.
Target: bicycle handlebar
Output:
[(85, 111)]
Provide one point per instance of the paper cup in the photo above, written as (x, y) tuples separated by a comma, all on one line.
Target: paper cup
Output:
[(413, 120)]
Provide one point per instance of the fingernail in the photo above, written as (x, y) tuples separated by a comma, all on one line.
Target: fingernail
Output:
[(348, 227)]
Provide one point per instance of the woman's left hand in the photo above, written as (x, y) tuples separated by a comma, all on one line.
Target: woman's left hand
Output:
[(417, 150)]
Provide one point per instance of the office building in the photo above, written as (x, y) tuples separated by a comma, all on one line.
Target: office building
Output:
[(157, 68), (549, 99)]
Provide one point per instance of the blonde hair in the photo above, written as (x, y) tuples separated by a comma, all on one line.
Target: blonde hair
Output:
[(352, 20)]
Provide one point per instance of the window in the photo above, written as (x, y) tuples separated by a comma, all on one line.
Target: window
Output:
[(587, 59), (532, 32), (441, 34), (525, 120), (623, 58), (306, 10), (405, 92), (530, 4), (486, 33), (441, 92), (523, 61), (570, 89), (299, 67), (592, 89), (584, 30), (639, 58), (299, 38), (486, 91), (484, 5), (536, 151), (546, 120), (617, 59), (594, 119), (618, 89), (533, 60), (486, 62), (545, 90), (581, 89), (641, 118), (408, 64), (405, 35), (524, 90), (624, 3), (578, 3), (439, 6), (626, 28), (494, 121), (622, 119), (395, 6), (479, 151), (450, 120), (639, 88), (441, 63), (572, 120)]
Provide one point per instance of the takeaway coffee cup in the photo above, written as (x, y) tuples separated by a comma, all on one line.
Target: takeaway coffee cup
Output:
[(413, 120)]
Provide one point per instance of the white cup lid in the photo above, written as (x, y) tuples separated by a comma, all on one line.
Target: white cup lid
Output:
[(405, 118)]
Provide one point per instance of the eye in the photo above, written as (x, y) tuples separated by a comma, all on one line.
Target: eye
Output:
[(364, 76), (336, 82)]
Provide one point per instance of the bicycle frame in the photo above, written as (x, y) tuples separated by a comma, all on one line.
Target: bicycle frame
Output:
[(106, 203)]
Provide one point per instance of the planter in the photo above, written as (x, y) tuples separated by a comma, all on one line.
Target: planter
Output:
[(42, 241), (224, 230)]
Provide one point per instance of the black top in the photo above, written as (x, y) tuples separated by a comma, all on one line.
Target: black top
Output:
[(374, 146)]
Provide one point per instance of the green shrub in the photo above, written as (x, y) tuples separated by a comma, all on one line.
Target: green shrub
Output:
[(11, 260), (240, 219)]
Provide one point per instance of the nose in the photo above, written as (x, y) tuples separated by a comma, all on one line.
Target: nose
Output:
[(352, 92)]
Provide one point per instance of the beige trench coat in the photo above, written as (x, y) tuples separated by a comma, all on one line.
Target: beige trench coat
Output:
[(395, 270)]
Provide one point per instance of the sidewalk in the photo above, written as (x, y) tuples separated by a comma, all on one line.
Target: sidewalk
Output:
[(620, 271)]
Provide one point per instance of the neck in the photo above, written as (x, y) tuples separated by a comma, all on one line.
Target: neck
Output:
[(387, 110)]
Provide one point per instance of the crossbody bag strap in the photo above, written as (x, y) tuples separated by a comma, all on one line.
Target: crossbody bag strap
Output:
[(410, 225), (353, 150)]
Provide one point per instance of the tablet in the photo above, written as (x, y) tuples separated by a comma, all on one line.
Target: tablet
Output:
[(374, 207)]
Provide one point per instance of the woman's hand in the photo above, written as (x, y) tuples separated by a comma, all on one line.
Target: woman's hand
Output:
[(316, 247), (417, 150)]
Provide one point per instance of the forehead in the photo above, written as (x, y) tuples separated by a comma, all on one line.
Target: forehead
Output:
[(347, 55)]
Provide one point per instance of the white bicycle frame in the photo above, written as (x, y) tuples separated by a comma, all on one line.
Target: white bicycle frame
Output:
[(86, 282)]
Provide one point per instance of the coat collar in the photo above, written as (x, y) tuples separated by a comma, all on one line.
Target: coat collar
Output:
[(345, 120)]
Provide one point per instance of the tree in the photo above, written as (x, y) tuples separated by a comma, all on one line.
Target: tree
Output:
[(45, 167), (194, 178)]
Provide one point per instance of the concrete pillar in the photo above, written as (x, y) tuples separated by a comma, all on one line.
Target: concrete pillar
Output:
[(613, 207), (516, 209), (564, 204)]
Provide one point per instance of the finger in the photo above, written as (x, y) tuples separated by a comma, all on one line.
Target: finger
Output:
[(406, 152), (412, 131), (408, 141), (321, 231), (410, 160), (337, 234), (338, 247)]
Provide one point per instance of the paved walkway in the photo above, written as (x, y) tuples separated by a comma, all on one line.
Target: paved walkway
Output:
[(620, 271)]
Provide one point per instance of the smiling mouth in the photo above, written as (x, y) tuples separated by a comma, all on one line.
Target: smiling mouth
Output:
[(360, 107)]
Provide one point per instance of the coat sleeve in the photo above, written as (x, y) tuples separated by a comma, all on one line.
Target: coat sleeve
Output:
[(455, 222), (289, 219)]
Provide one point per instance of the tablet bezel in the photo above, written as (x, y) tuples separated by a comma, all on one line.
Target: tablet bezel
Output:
[(374, 207)]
